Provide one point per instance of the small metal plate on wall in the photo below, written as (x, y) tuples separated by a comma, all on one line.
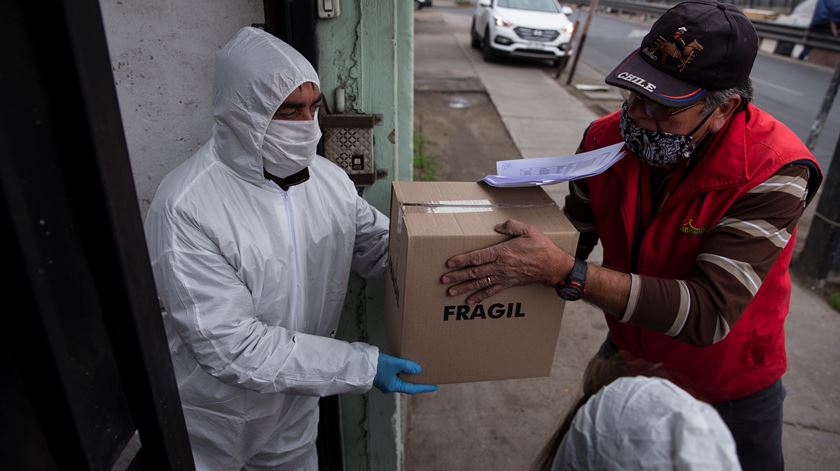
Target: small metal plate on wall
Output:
[(348, 142)]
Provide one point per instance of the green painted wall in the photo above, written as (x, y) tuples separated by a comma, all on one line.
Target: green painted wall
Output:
[(368, 50), (405, 91)]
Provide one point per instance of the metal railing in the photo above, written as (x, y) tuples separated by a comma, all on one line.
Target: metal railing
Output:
[(765, 29)]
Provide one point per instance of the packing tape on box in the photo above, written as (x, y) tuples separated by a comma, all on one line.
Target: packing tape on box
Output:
[(454, 206), (465, 206), (458, 206)]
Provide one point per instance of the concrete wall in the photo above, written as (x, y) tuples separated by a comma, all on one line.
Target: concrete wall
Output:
[(162, 58)]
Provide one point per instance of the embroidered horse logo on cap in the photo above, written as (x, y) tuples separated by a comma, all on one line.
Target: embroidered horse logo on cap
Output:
[(677, 49)]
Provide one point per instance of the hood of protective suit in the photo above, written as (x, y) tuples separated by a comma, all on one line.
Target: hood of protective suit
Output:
[(646, 423), (255, 73)]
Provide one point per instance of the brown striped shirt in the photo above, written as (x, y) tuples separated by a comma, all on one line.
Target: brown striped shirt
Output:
[(735, 257)]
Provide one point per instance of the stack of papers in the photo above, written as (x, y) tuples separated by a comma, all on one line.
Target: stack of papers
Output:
[(548, 170)]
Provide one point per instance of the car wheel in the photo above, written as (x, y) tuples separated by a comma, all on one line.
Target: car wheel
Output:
[(475, 41), (487, 51)]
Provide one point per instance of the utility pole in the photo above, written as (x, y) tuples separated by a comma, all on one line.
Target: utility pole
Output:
[(821, 256), (571, 45), (816, 128), (593, 5)]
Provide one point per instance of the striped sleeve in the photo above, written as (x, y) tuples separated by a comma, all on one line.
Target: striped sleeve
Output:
[(735, 257)]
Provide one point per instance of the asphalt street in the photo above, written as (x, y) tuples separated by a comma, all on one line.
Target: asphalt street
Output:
[(790, 90)]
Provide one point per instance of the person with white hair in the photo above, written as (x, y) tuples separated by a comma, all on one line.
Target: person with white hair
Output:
[(646, 423)]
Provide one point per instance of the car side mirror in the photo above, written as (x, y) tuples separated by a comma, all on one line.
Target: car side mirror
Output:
[(484, 3), (567, 11)]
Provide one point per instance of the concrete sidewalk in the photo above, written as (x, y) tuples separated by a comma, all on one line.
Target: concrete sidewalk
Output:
[(503, 425)]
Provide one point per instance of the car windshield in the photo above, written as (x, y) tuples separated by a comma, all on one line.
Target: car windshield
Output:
[(549, 6)]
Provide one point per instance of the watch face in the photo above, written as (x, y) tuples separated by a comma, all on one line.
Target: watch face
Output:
[(570, 293)]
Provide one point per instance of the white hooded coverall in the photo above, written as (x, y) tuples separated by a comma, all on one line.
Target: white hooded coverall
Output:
[(252, 278)]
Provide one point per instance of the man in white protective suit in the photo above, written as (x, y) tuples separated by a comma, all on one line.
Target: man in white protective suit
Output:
[(252, 241)]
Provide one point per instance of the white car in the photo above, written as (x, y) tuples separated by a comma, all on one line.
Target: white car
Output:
[(537, 29)]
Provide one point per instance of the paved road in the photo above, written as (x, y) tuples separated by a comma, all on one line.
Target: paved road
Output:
[(789, 90)]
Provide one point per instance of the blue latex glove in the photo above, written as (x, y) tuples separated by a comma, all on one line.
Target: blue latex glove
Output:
[(387, 377)]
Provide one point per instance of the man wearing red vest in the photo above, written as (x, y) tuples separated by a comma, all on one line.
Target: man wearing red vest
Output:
[(697, 223)]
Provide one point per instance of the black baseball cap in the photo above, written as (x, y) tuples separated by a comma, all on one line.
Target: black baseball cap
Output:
[(695, 47)]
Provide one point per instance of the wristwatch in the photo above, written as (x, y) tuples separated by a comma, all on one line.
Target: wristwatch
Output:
[(572, 288)]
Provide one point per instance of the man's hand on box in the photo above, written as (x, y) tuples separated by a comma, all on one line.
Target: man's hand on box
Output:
[(387, 377), (528, 258)]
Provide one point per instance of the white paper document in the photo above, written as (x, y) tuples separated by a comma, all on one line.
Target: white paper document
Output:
[(548, 170)]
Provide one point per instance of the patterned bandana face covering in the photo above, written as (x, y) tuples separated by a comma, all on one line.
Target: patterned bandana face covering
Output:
[(656, 148)]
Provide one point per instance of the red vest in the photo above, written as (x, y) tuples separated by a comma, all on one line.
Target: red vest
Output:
[(751, 148)]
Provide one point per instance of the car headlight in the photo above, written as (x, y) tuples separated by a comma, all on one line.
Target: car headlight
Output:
[(568, 28), (502, 22)]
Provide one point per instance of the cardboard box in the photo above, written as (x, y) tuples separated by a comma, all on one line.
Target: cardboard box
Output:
[(510, 335)]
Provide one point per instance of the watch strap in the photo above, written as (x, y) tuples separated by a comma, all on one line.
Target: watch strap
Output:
[(578, 272), (572, 288)]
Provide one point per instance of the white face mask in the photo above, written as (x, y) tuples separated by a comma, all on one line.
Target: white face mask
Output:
[(290, 146)]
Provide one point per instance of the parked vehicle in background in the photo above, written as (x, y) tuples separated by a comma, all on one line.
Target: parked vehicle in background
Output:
[(536, 29), (419, 4)]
